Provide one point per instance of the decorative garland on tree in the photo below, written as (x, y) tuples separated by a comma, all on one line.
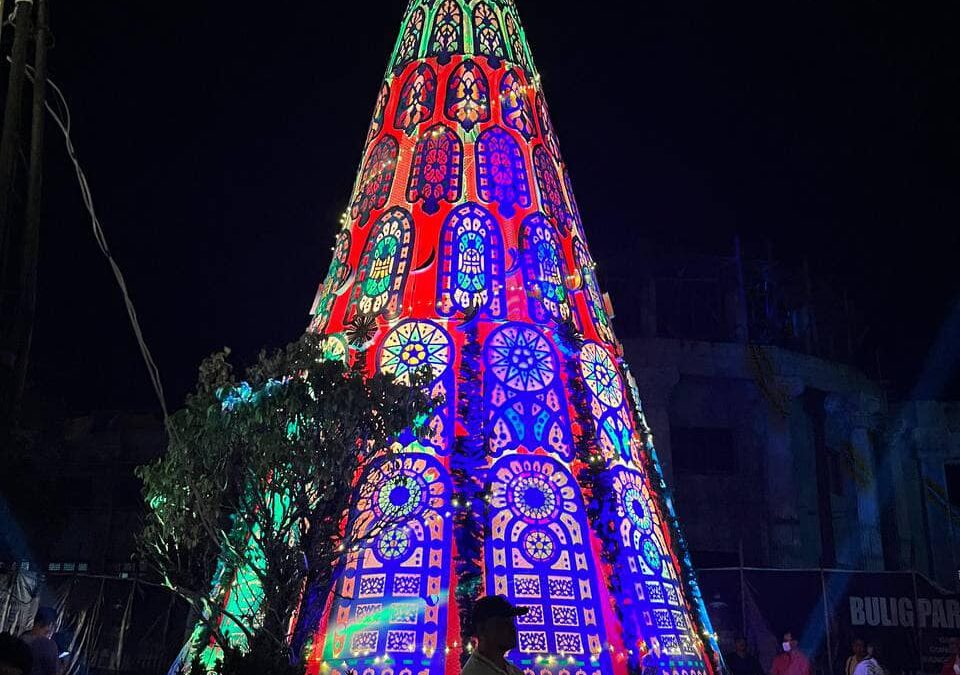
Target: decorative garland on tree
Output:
[(664, 498), (466, 467), (596, 482)]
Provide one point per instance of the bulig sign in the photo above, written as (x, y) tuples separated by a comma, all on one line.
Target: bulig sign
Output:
[(896, 612)]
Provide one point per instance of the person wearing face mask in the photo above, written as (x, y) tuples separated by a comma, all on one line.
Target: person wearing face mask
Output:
[(791, 661), (952, 665)]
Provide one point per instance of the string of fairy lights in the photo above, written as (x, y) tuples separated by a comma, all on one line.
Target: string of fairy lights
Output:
[(376, 184), (541, 658)]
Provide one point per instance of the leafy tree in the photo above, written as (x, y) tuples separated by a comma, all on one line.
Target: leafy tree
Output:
[(256, 482), (260, 659)]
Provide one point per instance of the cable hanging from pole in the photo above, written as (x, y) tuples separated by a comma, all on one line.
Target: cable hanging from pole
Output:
[(63, 120)]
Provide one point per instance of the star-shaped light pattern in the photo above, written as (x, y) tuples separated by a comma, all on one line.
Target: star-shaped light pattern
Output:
[(413, 345), (521, 358), (601, 374)]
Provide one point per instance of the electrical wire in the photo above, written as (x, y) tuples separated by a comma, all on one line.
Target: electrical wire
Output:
[(62, 117)]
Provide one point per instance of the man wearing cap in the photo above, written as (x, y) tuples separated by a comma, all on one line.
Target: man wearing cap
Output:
[(493, 619), (46, 659)]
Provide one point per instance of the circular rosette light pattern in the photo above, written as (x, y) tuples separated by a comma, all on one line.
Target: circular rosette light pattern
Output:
[(335, 348), (540, 545), (534, 498), (393, 544), (633, 500), (401, 489)]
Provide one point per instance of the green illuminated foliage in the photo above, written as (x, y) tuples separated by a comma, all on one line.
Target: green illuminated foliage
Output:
[(253, 489)]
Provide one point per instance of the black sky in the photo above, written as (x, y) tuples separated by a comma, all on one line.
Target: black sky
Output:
[(221, 140)]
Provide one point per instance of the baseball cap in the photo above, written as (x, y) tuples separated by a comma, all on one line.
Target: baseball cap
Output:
[(495, 606)]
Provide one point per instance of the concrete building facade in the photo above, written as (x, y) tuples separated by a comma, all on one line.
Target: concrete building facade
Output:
[(779, 454)]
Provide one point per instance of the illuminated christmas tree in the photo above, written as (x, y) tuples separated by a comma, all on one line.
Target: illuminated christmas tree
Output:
[(462, 249)]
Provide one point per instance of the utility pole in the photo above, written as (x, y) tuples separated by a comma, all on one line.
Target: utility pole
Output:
[(10, 140), (27, 299)]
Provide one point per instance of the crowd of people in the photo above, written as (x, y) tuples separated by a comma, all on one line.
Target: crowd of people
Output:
[(864, 659), (790, 661), (36, 653)]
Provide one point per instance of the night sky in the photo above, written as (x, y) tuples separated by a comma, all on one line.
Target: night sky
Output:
[(221, 141)]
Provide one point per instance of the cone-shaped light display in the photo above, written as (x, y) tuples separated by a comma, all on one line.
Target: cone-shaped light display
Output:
[(462, 249)]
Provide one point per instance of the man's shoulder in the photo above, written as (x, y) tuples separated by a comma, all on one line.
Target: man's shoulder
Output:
[(42, 647), (38, 641), (479, 666), (475, 666)]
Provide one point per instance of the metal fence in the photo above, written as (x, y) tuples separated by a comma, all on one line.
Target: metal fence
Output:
[(107, 624)]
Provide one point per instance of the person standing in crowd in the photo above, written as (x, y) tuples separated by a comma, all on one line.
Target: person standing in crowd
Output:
[(870, 664), (15, 656), (858, 650), (46, 655), (742, 662), (495, 621), (791, 661), (952, 665)]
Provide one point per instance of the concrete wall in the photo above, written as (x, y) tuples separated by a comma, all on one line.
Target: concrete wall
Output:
[(922, 437), (788, 413)]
